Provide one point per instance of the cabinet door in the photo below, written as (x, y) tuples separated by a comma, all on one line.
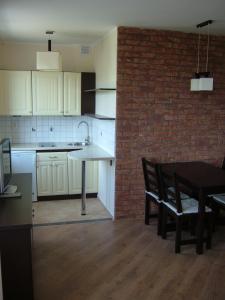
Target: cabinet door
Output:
[(72, 93), (74, 173), (44, 178), (47, 89), (60, 178), (15, 93)]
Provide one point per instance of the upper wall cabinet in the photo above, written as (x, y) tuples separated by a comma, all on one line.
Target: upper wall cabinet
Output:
[(47, 90), (72, 94), (15, 93)]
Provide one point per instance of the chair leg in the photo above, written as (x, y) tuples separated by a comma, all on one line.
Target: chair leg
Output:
[(147, 210), (178, 235), (209, 231), (164, 223), (192, 224), (160, 215)]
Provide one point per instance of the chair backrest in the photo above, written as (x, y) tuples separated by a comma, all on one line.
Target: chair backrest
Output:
[(172, 186), (152, 177), (223, 164)]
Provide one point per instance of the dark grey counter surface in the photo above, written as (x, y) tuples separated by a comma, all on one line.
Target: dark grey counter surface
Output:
[(17, 211)]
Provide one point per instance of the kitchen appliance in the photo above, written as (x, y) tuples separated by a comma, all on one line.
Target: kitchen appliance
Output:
[(25, 162)]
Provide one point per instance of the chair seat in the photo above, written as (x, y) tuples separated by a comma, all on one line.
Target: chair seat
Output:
[(220, 198), (182, 195), (155, 196), (190, 206)]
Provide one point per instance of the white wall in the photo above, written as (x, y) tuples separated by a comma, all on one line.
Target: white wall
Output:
[(105, 66), (22, 56)]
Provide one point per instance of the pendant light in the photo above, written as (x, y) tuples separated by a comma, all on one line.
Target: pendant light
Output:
[(202, 81), (49, 60)]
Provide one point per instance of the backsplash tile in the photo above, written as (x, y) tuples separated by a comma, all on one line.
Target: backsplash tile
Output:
[(43, 129)]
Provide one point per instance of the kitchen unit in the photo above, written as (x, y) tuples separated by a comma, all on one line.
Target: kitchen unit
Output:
[(15, 93), (41, 93), (58, 175), (47, 91), (52, 174)]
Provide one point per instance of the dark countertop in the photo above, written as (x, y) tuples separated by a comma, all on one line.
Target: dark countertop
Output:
[(17, 212)]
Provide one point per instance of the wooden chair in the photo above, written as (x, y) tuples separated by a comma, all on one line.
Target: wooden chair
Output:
[(218, 200), (152, 191), (181, 209)]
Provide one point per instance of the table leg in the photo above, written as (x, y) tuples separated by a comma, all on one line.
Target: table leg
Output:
[(83, 201), (200, 223)]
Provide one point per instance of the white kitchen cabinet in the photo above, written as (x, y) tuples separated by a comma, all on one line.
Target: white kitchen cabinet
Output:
[(47, 91), (15, 93), (72, 93), (60, 178), (44, 178), (52, 173), (74, 173)]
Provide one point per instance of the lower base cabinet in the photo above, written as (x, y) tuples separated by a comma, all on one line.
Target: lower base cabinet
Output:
[(52, 173), (74, 174), (58, 175)]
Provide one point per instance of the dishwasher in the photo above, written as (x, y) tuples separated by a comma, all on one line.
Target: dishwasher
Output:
[(25, 162)]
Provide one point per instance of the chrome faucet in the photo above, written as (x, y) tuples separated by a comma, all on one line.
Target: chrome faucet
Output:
[(87, 139)]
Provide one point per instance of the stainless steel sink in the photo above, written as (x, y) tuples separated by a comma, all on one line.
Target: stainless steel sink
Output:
[(77, 144), (45, 145)]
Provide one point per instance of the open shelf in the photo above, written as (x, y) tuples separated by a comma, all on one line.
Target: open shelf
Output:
[(101, 90), (99, 117)]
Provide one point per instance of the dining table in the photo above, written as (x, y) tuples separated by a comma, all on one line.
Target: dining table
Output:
[(205, 179)]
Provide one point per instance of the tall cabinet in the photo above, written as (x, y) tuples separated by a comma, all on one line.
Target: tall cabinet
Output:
[(72, 93), (15, 93), (47, 90)]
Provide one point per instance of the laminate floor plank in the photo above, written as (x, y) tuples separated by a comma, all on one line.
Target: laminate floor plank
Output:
[(123, 260)]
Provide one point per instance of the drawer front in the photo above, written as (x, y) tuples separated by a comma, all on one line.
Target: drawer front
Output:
[(51, 156)]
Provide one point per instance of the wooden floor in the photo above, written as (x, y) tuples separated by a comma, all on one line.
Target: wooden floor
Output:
[(56, 211), (123, 260)]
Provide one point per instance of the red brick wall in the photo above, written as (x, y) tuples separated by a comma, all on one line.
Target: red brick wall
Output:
[(157, 115)]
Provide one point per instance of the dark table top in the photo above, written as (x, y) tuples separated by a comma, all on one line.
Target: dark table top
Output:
[(200, 174), (17, 212)]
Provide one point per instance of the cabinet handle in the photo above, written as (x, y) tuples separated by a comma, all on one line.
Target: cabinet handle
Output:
[(53, 156)]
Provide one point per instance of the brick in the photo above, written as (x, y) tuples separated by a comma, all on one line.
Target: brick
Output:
[(157, 115)]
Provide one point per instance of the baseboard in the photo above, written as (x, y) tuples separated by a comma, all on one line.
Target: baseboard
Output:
[(65, 197)]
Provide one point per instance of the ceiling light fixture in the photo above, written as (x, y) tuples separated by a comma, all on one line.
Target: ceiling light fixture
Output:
[(202, 81), (49, 60)]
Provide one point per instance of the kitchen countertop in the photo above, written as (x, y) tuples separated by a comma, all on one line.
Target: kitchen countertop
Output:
[(37, 147), (91, 152)]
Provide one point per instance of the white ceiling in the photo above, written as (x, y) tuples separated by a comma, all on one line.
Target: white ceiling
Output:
[(84, 21)]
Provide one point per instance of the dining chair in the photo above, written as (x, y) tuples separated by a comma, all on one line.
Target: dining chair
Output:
[(153, 192), (181, 209), (218, 200)]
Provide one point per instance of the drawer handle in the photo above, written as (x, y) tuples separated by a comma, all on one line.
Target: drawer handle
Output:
[(53, 156)]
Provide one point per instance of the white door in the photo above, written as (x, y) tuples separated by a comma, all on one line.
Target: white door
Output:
[(47, 90), (15, 93), (74, 173), (44, 178), (72, 93), (60, 177)]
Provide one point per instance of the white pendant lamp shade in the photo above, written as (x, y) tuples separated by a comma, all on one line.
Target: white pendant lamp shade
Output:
[(49, 61), (202, 81)]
